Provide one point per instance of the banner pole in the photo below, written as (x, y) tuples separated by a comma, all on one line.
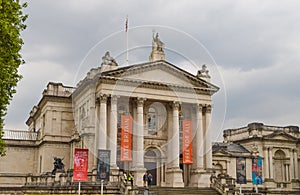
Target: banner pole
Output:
[(79, 188), (101, 187), (127, 60)]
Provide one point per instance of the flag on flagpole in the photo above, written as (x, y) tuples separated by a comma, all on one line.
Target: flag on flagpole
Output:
[(126, 24)]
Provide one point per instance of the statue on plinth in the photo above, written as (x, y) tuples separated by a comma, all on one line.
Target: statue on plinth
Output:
[(157, 52), (58, 165), (157, 44), (108, 60)]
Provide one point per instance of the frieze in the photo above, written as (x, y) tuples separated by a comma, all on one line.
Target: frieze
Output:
[(157, 85)]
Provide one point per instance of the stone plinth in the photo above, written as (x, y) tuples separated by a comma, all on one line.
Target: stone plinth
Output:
[(174, 177), (200, 178)]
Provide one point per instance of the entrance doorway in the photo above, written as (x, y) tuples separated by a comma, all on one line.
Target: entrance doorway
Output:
[(151, 164), (151, 168)]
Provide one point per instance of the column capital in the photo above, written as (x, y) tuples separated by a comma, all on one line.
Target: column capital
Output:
[(140, 101), (114, 99), (176, 105), (265, 148), (200, 107), (102, 98), (208, 108)]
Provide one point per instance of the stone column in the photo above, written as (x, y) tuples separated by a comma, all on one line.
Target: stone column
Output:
[(208, 149), (296, 165), (103, 123), (174, 173), (291, 164), (200, 139), (271, 164), (198, 147), (113, 131), (266, 159), (175, 141), (140, 133), (97, 115), (138, 168)]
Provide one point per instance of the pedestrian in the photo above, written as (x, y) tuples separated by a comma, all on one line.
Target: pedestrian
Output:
[(145, 179), (125, 178), (150, 178), (130, 178)]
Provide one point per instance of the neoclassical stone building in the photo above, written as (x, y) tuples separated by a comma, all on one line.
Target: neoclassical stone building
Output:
[(157, 95), (279, 148)]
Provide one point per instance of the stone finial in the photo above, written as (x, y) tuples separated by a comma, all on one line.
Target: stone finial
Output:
[(108, 62), (157, 49), (203, 72)]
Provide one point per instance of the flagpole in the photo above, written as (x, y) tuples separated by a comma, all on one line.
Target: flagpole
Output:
[(127, 62)]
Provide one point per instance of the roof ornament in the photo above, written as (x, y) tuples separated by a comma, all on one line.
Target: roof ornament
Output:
[(157, 44), (203, 73), (108, 63), (157, 49), (108, 60)]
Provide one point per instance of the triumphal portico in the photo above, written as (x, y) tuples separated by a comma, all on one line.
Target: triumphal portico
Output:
[(158, 97)]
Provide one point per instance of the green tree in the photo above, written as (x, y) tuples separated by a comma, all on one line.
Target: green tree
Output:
[(11, 24)]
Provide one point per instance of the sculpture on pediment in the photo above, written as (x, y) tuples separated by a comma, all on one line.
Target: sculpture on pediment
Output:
[(157, 52), (203, 72), (157, 44), (108, 60)]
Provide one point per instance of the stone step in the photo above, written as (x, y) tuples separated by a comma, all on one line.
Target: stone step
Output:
[(177, 191)]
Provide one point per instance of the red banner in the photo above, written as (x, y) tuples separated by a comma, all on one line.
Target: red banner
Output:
[(80, 164), (187, 138), (126, 138)]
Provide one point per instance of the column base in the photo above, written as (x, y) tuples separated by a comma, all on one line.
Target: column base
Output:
[(114, 173), (138, 176), (296, 183), (174, 177), (200, 178), (270, 183)]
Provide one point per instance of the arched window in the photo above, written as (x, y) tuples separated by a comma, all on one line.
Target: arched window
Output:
[(218, 168), (152, 117)]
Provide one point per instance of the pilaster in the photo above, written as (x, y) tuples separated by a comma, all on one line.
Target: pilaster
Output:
[(266, 164)]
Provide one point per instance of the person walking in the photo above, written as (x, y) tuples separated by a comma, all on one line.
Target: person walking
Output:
[(131, 178), (150, 178), (145, 179)]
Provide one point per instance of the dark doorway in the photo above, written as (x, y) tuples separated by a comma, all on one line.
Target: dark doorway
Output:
[(151, 168)]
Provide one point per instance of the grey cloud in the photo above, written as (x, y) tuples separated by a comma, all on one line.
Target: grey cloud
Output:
[(239, 35)]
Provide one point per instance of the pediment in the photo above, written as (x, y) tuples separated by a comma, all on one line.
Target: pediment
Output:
[(281, 136), (160, 72), (221, 153)]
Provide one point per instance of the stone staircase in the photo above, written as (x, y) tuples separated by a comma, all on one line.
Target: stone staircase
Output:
[(176, 191)]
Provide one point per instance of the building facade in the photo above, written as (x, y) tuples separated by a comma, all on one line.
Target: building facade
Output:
[(157, 95), (160, 99)]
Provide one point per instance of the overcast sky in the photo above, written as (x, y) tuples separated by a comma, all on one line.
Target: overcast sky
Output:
[(252, 49)]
